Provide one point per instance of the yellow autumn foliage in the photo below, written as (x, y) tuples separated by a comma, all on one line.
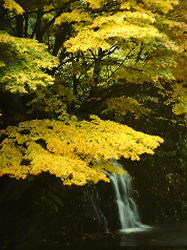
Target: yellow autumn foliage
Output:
[(13, 6), (179, 99), (75, 151), (74, 16), (121, 26), (23, 63), (52, 102), (161, 5), (117, 23), (120, 106)]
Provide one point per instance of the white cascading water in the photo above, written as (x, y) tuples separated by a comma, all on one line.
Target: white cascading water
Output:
[(128, 212)]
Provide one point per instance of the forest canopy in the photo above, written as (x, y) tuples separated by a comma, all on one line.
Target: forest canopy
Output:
[(61, 61)]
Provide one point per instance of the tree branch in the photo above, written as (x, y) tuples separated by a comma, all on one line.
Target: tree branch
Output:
[(121, 64)]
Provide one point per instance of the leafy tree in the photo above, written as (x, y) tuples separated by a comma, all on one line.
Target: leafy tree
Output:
[(13, 6), (23, 64), (122, 55), (74, 151)]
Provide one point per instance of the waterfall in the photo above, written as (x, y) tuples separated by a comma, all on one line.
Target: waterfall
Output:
[(128, 212)]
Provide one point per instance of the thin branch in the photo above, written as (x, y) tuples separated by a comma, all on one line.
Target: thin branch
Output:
[(94, 56), (68, 60), (63, 7), (140, 52), (139, 70), (120, 65), (112, 49)]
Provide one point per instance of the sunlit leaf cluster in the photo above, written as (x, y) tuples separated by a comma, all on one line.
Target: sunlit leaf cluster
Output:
[(23, 64), (52, 102), (13, 6), (120, 106), (76, 152)]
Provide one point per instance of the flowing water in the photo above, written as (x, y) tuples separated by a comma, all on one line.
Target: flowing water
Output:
[(133, 233), (128, 212), (166, 236)]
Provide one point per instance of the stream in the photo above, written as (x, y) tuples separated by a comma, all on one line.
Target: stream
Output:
[(165, 236), (132, 231), (129, 217), (173, 235)]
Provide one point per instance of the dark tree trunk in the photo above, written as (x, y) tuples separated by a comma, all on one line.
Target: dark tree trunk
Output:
[(2, 17), (74, 76), (75, 85), (96, 72), (19, 25), (38, 26), (26, 25), (60, 38)]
